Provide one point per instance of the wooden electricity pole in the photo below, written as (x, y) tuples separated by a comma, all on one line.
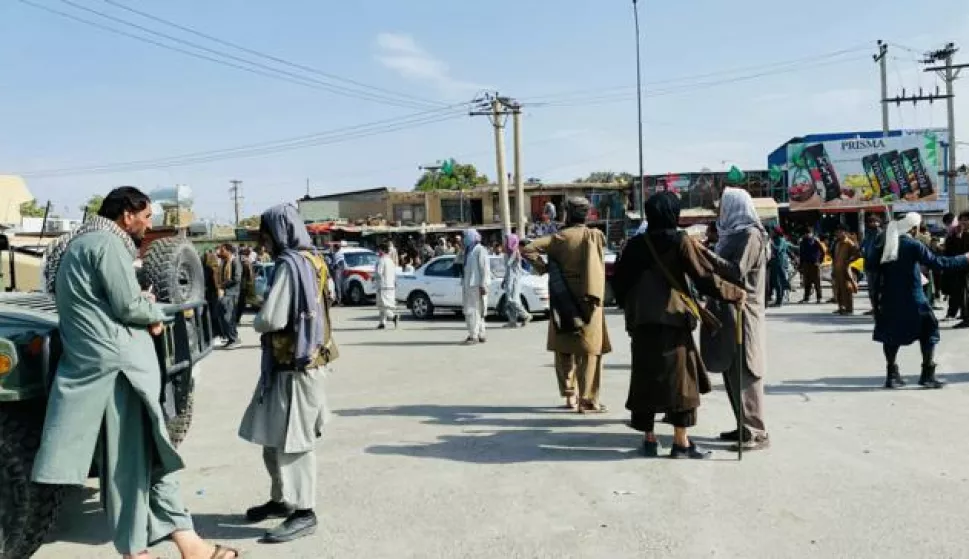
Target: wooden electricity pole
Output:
[(494, 107), (949, 72), (236, 191), (521, 218)]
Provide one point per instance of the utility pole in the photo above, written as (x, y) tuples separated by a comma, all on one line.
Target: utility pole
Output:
[(949, 72), (882, 61), (639, 115), (236, 191), (307, 187), (494, 107), (516, 114)]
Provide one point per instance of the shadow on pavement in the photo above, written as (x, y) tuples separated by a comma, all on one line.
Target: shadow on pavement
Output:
[(522, 445), (868, 330), (81, 519), (483, 416), (408, 343), (856, 384), (824, 317), (226, 527)]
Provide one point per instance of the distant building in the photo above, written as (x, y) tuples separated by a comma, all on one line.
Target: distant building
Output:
[(13, 193), (477, 206)]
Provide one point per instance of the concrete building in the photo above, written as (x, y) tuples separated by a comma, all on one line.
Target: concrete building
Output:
[(477, 206), (13, 193)]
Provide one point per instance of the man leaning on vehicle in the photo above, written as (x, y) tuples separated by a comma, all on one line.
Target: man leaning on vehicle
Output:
[(108, 384)]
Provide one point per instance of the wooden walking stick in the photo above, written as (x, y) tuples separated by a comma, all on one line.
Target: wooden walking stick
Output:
[(739, 366)]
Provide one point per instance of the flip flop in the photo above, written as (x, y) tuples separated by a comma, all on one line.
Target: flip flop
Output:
[(223, 552), (589, 407)]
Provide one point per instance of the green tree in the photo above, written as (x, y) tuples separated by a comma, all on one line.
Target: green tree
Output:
[(463, 177), (606, 177), (32, 209), (93, 205), (251, 222)]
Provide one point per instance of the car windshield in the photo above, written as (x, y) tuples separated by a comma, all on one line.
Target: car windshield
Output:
[(355, 259)]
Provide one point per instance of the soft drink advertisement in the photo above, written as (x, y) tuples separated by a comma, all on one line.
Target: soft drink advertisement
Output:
[(863, 172)]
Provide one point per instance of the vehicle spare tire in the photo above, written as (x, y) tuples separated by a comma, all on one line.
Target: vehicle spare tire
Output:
[(28, 510), (174, 268)]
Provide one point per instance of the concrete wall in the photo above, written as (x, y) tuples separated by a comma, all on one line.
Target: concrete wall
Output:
[(328, 210)]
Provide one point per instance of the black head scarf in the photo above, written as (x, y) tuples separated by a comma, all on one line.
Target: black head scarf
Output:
[(663, 216)]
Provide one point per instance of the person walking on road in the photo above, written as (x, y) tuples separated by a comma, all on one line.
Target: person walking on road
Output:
[(902, 311), (105, 394), (512, 284), (475, 279), (288, 409), (873, 228), (811, 255), (650, 280), (842, 277), (385, 279), (744, 250), (339, 268), (778, 265), (577, 333), (958, 280), (230, 272)]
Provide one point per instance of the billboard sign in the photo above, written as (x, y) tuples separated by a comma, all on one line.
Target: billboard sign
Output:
[(863, 172)]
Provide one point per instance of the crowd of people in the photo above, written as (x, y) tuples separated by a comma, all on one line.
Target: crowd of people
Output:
[(667, 284)]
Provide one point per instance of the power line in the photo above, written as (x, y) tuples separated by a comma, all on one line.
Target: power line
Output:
[(257, 68), (619, 97), (253, 150), (268, 56), (797, 61)]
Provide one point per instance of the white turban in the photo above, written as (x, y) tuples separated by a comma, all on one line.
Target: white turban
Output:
[(897, 228)]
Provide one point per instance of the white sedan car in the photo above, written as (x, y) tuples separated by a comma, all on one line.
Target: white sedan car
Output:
[(436, 286)]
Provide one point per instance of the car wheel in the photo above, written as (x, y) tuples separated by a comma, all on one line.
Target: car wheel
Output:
[(421, 306), (356, 294)]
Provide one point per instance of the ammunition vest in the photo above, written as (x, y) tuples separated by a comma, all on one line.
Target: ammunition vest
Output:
[(283, 344)]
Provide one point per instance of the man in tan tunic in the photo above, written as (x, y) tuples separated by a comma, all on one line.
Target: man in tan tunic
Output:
[(576, 253), (845, 286)]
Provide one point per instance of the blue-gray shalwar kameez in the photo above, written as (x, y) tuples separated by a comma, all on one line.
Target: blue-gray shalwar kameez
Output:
[(105, 395)]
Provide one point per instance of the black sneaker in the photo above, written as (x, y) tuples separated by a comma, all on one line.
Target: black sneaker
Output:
[(381, 326), (732, 436), (271, 509), (229, 344), (650, 448), (300, 524), (692, 452)]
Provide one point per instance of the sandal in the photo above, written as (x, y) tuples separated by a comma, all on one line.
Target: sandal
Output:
[(571, 404), (223, 552), (589, 407)]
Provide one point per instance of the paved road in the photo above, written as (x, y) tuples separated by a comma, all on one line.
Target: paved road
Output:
[(441, 451)]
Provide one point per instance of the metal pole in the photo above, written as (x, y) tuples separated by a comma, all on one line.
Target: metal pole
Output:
[(639, 109)]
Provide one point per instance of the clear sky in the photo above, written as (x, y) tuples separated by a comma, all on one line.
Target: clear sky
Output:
[(726, 83)]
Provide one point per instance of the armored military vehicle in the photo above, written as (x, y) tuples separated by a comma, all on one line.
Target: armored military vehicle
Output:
[(30, 348)]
